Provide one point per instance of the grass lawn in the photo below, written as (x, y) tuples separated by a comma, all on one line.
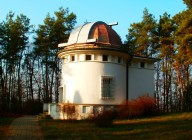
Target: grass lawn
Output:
[(168, 127)]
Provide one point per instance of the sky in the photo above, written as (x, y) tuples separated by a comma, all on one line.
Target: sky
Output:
[(125, 12)]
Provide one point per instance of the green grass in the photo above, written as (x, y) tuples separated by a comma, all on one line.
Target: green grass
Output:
[(171, 127), (4, 124)]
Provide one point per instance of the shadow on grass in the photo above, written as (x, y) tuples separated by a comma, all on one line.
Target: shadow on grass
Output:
[(172, 127)]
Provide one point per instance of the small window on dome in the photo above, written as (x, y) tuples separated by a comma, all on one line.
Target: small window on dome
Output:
[(88, 57), (142, 64), (119, 59), (72, 58), (105, 57)]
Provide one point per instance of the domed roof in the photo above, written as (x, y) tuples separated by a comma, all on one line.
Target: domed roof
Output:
[(99, 31)]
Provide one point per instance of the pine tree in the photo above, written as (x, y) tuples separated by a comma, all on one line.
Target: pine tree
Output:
[(166, 46), (14, 40), (55, 30), (141, 37), (188, 3)]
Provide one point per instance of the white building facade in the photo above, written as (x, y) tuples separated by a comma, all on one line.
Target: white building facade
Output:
[(98, 74)]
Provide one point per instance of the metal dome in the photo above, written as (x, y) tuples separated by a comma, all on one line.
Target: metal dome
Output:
[(98, 32)]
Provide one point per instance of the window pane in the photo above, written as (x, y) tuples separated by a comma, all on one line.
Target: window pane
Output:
[(142, 64), (88, 57), (84, 109), (72, 58), (106, 87), (119, 59), (105, 57)]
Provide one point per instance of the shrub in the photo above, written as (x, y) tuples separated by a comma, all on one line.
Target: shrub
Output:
[(70, 111), (143, 106), (105, 118)]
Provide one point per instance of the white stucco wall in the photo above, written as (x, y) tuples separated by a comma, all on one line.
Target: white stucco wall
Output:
[(82, 81), (55, 111), (141, 80)]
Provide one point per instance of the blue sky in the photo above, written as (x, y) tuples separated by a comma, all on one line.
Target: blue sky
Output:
[(125, 12)]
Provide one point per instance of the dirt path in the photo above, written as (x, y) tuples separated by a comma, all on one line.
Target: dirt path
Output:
[(24, 128)]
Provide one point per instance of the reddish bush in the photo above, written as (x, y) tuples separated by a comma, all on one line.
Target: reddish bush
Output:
[(149, 105), (70, 111), (141, 107)]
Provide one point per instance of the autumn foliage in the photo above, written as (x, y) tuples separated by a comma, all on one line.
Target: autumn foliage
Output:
[(143, 106)]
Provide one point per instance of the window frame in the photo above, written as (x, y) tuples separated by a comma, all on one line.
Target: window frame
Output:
[(107, 85), (72, 57), (142, 64), (88, 57), (105, 58), (119, 60)]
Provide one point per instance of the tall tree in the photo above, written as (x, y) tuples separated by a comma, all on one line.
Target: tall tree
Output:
[(183, 37), (166, 46), (14, 39), (188, 3), (142, 36), (54, 31)]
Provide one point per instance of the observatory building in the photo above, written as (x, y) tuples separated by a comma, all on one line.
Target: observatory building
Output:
[(98, 73)]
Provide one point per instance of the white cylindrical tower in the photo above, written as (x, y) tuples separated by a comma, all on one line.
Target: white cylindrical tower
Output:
[(93, 66)]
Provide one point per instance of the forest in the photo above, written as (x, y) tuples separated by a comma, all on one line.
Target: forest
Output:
[(30, 69)]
